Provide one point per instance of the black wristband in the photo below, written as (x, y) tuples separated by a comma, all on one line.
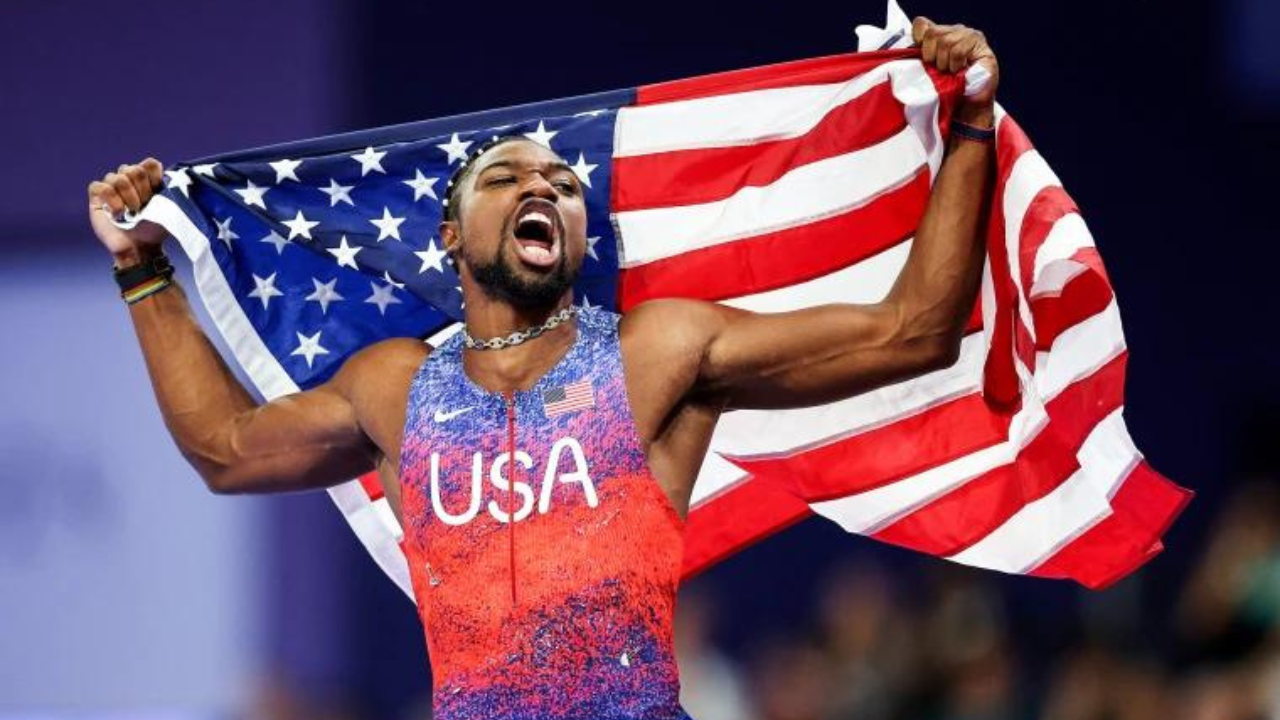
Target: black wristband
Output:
[(155, 267), (966, 131)]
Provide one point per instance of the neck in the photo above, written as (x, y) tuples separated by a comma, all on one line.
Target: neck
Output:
[(520, 366)]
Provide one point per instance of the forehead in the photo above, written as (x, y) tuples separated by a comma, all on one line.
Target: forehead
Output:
[(524, 153)]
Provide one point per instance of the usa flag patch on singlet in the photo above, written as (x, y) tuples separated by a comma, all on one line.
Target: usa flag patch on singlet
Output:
[(568, 398)]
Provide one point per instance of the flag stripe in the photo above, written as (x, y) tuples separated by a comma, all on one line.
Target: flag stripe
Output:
[(1142, 510), (752, 512), (1042, 526), (811, 71), (688, 177), (779, 259), (964, 515), (811, 192)]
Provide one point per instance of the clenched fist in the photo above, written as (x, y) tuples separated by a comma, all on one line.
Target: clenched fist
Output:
[(128, 188), (952, 48)]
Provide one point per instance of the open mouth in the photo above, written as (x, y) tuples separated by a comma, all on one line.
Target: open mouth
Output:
[(537, 232)]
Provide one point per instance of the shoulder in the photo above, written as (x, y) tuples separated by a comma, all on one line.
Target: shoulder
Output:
[(675, 322), (384, 365)]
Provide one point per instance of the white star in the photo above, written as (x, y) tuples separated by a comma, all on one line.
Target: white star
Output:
[(345, 254), (265, 290), (583, 169), (309, 347), (422, 185), (431, 257), (275, 239), (299, 226), (387, 226), (225, 233), (382, 297), (387, 276), (456, 149), (370, 160), (285, 170), (338, 193), (179, 179), (542, 135), (591, 247), (324, 293), (205, 170), (252, 194), (586, 303)]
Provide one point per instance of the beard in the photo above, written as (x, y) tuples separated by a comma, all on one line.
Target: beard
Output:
[(501, 281)]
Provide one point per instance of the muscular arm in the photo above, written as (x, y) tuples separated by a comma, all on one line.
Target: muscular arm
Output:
[(740, 359), (309, 439), (305, 440)]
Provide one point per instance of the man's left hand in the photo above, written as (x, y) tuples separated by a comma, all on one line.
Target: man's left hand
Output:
[(954, 48)]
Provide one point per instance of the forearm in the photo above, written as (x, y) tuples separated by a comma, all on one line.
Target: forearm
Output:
[(198, 395), (936, 290)]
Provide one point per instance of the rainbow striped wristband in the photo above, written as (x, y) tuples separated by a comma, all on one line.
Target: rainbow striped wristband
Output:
[(144, 279)]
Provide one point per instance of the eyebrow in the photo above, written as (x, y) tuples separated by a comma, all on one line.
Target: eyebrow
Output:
[(553, 165)]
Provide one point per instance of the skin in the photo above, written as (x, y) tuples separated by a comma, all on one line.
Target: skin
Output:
[(685, 361)]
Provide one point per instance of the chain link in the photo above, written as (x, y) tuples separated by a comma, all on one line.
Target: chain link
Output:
[(519, 336)]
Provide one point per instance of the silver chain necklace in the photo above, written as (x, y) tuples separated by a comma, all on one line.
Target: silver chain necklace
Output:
[(519, 336)]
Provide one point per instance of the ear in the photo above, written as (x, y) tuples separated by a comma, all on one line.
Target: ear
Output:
[(448, 231)]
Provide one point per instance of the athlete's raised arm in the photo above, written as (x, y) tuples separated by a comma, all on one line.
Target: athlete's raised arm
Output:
[(820, 354), (306, 440)]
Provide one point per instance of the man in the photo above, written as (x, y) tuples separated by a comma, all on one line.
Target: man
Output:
[(541, 462)]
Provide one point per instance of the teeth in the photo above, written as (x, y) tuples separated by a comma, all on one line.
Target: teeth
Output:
[(537, 217), (538, 252)]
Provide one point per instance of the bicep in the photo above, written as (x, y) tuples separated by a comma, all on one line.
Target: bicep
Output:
[(305, 440), (810, 356)]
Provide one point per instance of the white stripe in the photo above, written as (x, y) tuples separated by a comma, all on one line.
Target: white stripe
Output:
[(1030, 175), (272, 381), (867, 281), (1053, 268), (1040, 528), (808, 193), (1075, 354), (1078, 351), (758, 115)]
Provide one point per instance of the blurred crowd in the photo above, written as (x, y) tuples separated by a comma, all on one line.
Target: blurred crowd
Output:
[(950, 648)]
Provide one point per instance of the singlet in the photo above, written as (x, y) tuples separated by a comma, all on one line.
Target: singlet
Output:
[(567, 611)]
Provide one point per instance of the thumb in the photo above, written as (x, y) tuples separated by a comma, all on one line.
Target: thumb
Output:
[(919, 27)]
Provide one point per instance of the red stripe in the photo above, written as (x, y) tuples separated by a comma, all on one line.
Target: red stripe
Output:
[(742, 516), (967, 514), (1046, 208), (1084, 296), (887, 454), (813, 71), (1001, 380), (372, 485), (781, 258), (1144, 507), (689, 177)]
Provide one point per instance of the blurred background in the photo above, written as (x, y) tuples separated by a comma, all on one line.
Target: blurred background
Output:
[(127, 591)]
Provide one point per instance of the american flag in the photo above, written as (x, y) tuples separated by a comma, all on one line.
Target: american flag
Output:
[(768, 189), (568, 398)]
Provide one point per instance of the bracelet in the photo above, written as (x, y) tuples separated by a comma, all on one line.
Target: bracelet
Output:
[(144, 279), (965, 131)]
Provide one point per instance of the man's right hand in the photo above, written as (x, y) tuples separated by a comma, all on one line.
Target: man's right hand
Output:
[(129, 188)]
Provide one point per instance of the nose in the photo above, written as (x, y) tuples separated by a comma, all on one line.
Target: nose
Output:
[(537, 186)]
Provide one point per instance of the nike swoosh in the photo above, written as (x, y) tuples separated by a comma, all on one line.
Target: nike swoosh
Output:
[(445, 416)]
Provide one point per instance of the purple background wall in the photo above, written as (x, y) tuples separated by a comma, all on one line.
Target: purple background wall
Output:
[(1159, 120)]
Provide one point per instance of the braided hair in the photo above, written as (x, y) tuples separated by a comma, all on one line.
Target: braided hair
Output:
[(455, 180)]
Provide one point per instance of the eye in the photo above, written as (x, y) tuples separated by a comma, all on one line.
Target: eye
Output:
[(566, 186), (499, 180)]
